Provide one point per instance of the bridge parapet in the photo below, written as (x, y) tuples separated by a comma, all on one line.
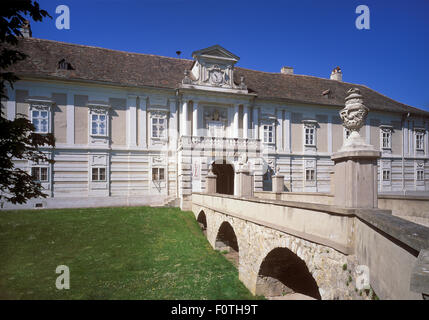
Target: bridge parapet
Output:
[(387, 245)]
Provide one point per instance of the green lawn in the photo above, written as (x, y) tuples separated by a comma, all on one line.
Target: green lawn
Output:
[(112, 253)]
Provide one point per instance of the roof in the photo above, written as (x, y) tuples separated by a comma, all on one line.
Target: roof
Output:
[(145, 70)]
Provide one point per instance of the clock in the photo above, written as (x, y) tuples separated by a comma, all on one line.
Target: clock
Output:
[(216, 77)]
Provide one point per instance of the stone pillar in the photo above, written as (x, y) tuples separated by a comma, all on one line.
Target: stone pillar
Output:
[(210, 181), (278, 183), (356, 162), (356, 179), (245, 183)]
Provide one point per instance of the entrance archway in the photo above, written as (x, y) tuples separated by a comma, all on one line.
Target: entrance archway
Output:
[(225, 177)]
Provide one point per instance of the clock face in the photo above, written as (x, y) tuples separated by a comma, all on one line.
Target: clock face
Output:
[(216, 77)]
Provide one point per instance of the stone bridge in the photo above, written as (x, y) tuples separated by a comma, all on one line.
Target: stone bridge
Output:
[(321, 251)]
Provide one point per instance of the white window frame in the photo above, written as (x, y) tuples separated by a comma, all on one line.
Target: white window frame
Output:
[(310, 174), (98, 110), (98, 174), (41, 105), (420, 134), (159, 115), (386, 133), (158, 174), (311, 127), (420, 175), (268, 128), (386, 174), (39, 173)]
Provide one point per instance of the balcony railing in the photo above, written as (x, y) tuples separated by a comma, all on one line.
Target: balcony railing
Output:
[(205, 143)]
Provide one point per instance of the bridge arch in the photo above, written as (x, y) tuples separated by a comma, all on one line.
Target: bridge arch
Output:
[(202, 221), (283, 272), (227, 240)]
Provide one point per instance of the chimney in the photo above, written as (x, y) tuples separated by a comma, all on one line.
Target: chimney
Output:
[(286, 70), (26, 29), (336, 74)]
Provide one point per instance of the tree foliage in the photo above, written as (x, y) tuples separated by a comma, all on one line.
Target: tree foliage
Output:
[(17, 138)]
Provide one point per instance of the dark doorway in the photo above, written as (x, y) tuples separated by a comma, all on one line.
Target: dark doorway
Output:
[(225, 177)]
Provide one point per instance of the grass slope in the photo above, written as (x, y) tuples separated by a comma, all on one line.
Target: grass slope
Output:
[(112, 253)]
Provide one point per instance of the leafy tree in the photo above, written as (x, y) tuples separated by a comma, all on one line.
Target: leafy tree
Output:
[(17, 138)]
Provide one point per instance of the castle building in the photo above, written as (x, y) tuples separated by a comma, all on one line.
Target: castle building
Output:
[(137, 129)]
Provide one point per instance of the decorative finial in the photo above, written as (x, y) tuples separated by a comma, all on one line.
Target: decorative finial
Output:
[(355, 112)]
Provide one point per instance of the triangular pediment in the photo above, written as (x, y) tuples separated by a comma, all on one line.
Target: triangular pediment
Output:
[(215, 52)]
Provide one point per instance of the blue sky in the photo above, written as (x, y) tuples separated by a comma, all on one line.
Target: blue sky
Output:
[(311, 36)]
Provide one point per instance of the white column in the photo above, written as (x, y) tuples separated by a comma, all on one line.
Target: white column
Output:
[(11, 104), (185, 121), (286, 131), (131, 121), (236, 122), (255, 123), (172, 128), (70, 118), (143, 122), (279, 130), (195, 119), (245, 121)]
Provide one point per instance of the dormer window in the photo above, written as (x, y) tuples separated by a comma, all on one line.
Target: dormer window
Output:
[(64, 65)]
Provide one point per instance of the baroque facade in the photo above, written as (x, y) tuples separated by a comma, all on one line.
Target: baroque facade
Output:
[(143, 129)]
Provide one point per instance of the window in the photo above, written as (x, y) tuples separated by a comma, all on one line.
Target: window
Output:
[(386, 143), (98, 119), (268, 133), (98, 174), (99, 124), (158, 174), (40, 120), (309, 175), (420, 176), (386, 175), (309, 136), (39, 174), (420, 140), (158, 127)]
